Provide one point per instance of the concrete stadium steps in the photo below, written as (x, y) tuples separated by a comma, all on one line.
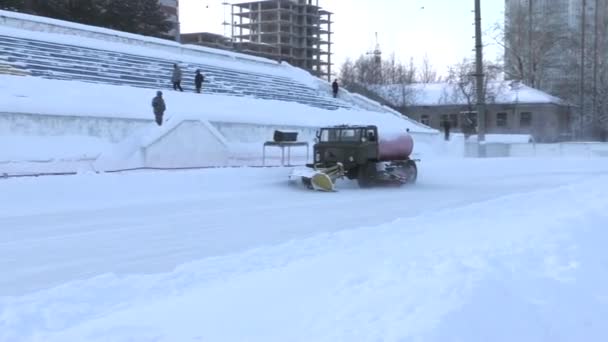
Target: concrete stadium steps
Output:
[(70, 62), (7, 68)]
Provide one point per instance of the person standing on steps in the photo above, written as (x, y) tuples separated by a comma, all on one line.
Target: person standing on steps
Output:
[(158, 104), (198, 80), (176, 78), (335, 87)]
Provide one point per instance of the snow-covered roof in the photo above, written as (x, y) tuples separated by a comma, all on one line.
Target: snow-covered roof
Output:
[(433, 94)]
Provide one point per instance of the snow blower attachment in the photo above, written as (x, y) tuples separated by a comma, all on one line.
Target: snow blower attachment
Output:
[(357, 152), (321, 179)]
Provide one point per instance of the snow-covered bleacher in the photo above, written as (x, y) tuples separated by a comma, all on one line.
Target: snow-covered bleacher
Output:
[(72, 62)]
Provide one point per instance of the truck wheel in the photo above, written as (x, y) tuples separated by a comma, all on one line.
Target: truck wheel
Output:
[(412, 172), (366, 175)]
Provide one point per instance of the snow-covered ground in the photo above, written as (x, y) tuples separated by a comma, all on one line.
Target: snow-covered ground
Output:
[(479, 250)]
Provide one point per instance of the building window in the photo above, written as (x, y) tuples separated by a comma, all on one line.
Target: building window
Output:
[(525, 119), (451, 118), (469, 119), (425, 120), (501, 120), (454, 120)]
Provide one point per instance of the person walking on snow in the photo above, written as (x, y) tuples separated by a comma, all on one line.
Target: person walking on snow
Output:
[(176, 78), (198, 80), (334, 86), (158, 104)]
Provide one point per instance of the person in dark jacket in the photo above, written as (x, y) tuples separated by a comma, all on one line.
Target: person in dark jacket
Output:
[(334, 86), (446, 129), (198, 80), (158, 104), (176, 78)]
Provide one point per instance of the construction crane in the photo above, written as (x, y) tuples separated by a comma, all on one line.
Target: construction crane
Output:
[(225, 23)]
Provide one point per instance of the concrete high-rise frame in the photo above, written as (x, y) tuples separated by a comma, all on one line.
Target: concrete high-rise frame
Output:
[(295, 31)]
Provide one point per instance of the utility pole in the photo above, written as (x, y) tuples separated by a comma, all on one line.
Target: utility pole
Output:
[(582, 81), (595, 68), (530, 55), (481, 107)]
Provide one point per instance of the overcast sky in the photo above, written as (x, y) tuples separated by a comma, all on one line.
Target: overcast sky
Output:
[(441, 29)]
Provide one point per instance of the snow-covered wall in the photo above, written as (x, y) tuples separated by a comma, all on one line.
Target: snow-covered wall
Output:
[(518, 150), (574, 149), (256, 133), (109, 129), (189, 144)]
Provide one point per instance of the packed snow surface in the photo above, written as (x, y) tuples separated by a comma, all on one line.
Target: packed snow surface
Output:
[(478, 250)]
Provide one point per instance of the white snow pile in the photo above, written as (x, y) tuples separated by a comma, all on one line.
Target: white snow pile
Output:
[(524, 267)]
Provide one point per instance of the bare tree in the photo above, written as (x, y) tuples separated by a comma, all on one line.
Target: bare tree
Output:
[(348, 74), (601, 102), (389, 82), (428, 74), (462, 89), (531, 41)]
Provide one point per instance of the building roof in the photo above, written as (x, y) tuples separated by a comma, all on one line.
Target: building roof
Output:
[(445, 94)]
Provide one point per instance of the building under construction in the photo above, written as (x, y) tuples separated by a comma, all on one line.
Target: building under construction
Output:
[(294, 31)]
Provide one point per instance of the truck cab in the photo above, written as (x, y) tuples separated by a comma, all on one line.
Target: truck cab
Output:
[(349, 145)]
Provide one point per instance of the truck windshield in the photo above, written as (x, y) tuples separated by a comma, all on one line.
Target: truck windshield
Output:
[(348, 134)]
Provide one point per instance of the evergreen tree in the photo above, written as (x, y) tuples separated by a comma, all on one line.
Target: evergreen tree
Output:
[(12, 5), (151, 20), (83, 11), (137, 16), (120, 15), (46, 8)]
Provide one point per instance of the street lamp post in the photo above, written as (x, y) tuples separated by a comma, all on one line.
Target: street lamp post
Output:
[(481, 107)]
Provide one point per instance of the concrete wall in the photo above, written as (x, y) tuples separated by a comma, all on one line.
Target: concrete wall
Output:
[(130, 143), (256, 133), (189, 144), (112, 130)]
